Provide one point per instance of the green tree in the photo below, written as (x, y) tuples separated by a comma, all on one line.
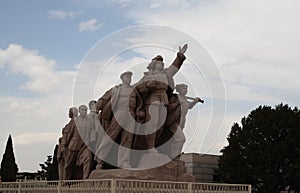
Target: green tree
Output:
[(49, 169), (264, 150), (9, 167), (53, 169), (43, 173)]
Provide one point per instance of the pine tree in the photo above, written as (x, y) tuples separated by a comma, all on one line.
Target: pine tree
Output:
[(9, 167)]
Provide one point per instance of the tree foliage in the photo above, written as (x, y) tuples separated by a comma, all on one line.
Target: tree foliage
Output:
[(53, 170), (9, 168), (49, 169), (264, 151), (43, 173)]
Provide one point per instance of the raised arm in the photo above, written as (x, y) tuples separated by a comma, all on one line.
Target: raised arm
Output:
[(177, 63)]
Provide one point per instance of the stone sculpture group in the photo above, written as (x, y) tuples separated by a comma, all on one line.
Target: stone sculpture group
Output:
[(127, 119)]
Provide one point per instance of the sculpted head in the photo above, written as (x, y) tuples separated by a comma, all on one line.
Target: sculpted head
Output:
[(92, 105), (157, 63), (83, 110), (73, 112), (181, 89), (126, 77)]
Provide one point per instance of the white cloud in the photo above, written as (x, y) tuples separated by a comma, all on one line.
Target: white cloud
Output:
[(35, 125), (40, 71), (254, 43), (90, 25), (36, 138), (123, 3), (34, 121), (31, 149), (60, 14)]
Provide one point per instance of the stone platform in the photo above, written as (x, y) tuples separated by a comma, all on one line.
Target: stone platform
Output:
[(172, 171)]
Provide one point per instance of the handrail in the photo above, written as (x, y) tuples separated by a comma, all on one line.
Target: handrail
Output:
[(120, 186)]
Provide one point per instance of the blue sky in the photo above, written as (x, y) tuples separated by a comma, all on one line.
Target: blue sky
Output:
[(249, 52), (35, 25)]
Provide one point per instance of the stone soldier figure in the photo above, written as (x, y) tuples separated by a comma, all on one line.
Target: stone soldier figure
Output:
[(177, 111), (64, 141), (122, 102), (155, 88), (96, 132), (85, 127), (60, 160), (77, 152)]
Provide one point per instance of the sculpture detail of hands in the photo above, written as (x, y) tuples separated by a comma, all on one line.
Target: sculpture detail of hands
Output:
[(183, 49)]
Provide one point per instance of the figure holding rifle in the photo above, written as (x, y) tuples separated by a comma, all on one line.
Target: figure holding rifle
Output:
[(177, 111)]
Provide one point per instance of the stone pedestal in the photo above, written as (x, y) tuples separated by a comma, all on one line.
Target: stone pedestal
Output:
[(172, 171)]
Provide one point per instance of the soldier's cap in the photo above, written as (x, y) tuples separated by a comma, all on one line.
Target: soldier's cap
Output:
[(158, 58), (126, 73), (179, 86)]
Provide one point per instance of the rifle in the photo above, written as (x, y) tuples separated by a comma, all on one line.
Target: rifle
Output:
[(192, 98)]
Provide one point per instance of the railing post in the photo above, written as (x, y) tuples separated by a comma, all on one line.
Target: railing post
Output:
[(113, 186), (190, 187), (249, 188), (19, 188), (59, 186)]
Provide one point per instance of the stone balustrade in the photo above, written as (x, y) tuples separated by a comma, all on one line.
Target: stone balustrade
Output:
[(120, 186)]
